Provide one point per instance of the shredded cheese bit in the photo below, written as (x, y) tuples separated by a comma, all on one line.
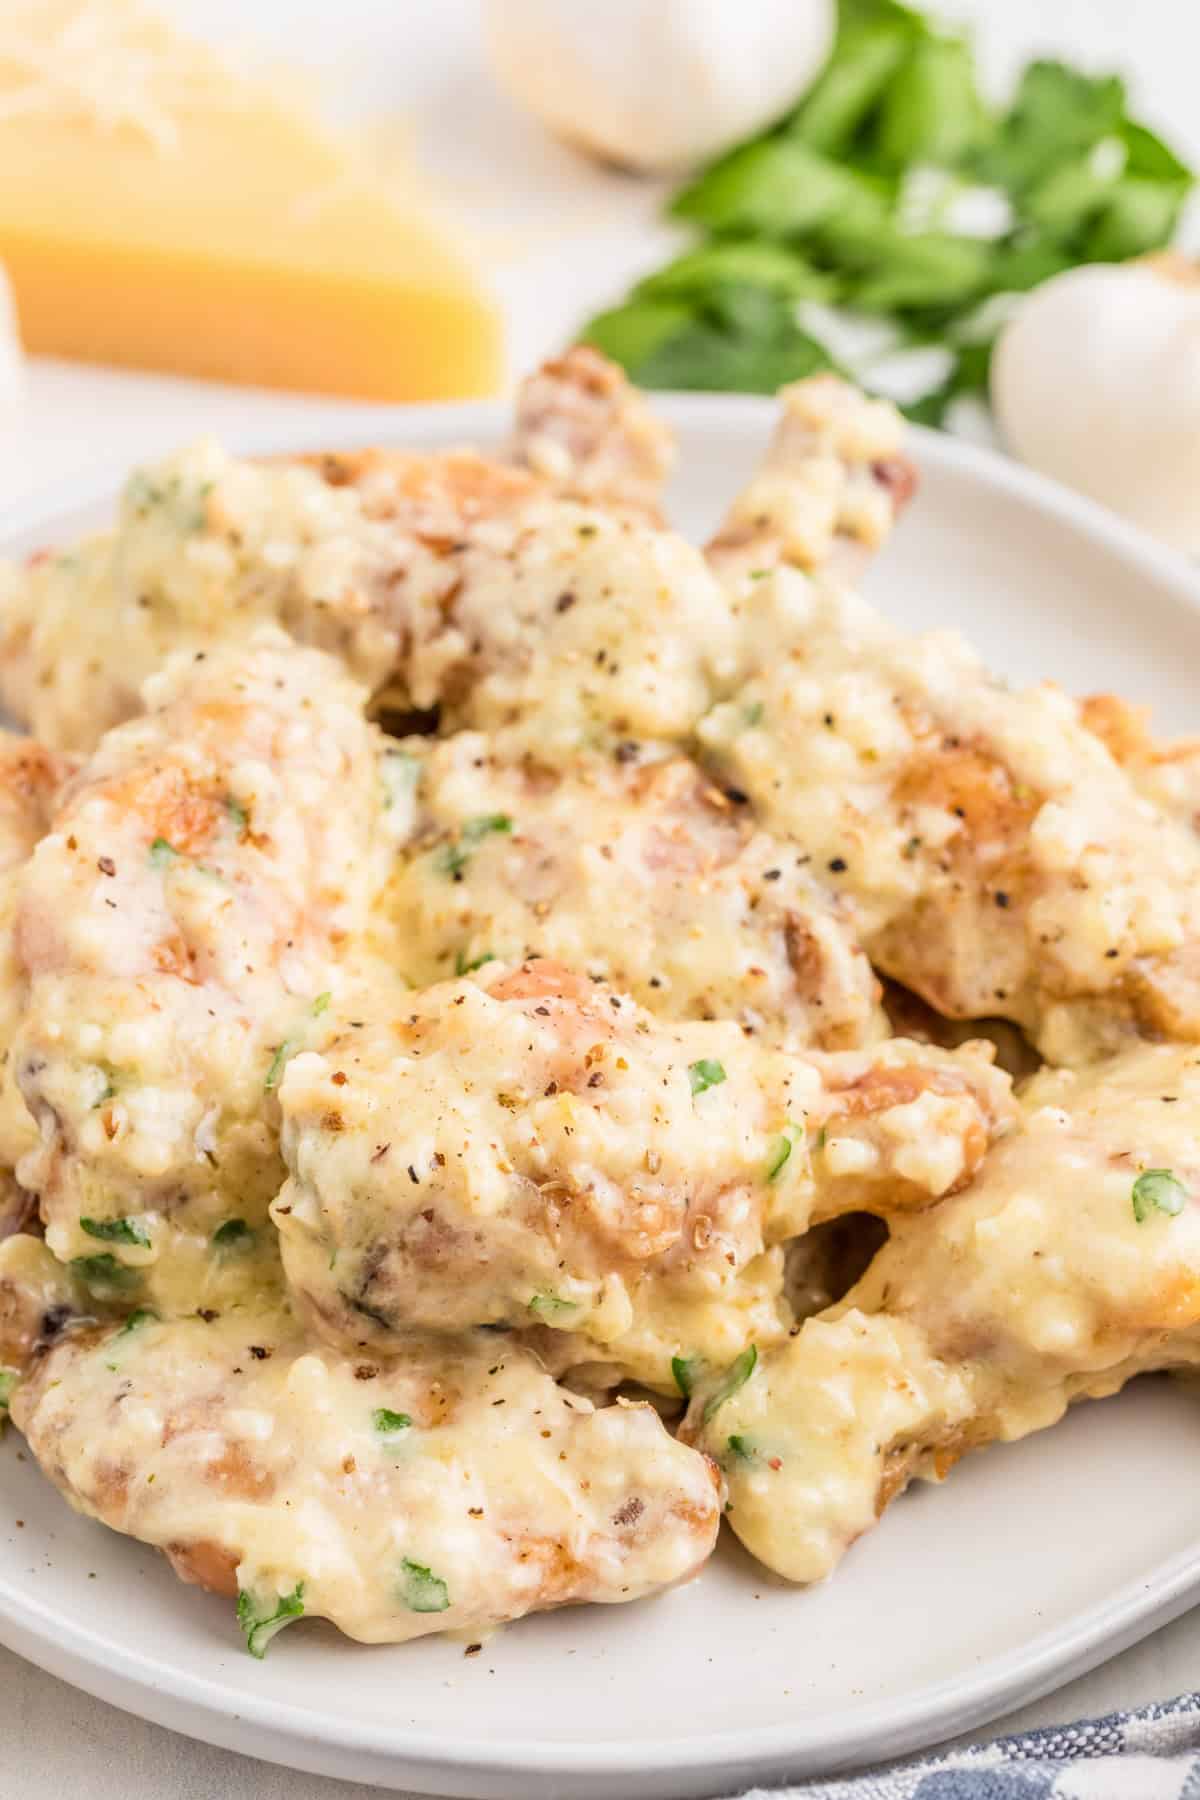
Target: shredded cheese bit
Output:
[(113, 65)]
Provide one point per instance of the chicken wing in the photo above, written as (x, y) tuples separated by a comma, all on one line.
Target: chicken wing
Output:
[(633, 868), (39, 1299), (998, 861), (449, 580), (452, 1487), (1069, 1264), (833, 483), (182, 927), (1166, 773), (585, 430), (530, 1148), (30, 779)]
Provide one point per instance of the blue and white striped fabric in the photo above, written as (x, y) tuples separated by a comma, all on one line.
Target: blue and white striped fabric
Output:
[(1151, 1754)]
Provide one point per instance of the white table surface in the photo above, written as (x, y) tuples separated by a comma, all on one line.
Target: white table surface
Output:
[(562, 239)]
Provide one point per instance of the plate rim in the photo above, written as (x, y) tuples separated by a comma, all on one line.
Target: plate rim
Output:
[(889, 1728), (857, 1734)]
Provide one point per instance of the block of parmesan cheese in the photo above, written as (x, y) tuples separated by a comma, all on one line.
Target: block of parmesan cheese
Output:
[(160, 211)]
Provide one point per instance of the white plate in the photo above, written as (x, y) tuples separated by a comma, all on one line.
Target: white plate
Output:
[(1031, 1565)]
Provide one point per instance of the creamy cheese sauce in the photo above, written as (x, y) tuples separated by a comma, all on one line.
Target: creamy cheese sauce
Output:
[(451, 1487), (634, 868), (366, 1085), (1054, 1276), (997, 858), (447, 581), (181, 927), (30, 779), (533, 1149)]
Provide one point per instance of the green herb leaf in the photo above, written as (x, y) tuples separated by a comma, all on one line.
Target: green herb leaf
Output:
[(864, 62), (421, 1590), (1140, 216), (238, 817), (827, 206), (741, 264), (117, 1231), (141, 1315), (782, 1150), (106, 1093), (899, 273), (104, 1273), (261, 1621), (321, 1004), (1027, 263), (8, 1384), (233, 1234), (387, 1423), (709, 355), (400, 773), (278, 1064), (705, 1074), (454, 857), (931, 111), (631, 334), (475, 829), (162, 854), (736, 1376), (1058, 113), (551, 1306), (1157, 1190), (777, 188), (463, 967), (742, 1449), (686, 1370), (1070, 195)]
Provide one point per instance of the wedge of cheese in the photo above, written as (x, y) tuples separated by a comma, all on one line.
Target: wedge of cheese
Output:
[(159, 211)]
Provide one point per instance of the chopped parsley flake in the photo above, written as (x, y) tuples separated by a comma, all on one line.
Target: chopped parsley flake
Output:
[(234, 1233), (463, 967), (387, 1423), (321, 1003), (741, 1449), (686, 1370), (238, 816), (162, 854), (421, 1590), (705, 1074), (454, 857), (551, 1306), (736, 1376), (117, 1231), (259, 1625), (1157, 1190), (100, 1272), (8, 1382), (142, 1315), (401, 773), (754, 714), (278, 1062), (782, 1150)]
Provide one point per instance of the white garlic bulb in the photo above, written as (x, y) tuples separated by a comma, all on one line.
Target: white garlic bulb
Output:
[(1096, 380), (657, 84)]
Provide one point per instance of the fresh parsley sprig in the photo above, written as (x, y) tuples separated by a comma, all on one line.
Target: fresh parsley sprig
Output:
[(893, 190)]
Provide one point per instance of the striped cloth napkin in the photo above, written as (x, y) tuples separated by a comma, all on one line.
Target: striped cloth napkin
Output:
[(1150, 1754)]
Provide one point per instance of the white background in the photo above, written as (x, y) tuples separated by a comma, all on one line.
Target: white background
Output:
[(561, 239)]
